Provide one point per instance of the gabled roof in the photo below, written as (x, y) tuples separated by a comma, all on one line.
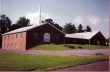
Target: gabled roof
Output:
[(84, 35), (29, 28)]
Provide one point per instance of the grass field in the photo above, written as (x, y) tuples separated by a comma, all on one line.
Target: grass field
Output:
[(50, 47), (86, 46), (62, 47), (28, 62)]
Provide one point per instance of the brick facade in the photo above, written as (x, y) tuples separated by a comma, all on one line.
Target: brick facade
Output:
[(29, 38), (16, 41)]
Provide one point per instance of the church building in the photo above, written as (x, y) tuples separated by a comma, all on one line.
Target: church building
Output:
[(94, 38), (27, 37)]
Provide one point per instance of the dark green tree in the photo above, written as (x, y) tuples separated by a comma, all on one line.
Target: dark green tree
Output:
[(57, 26), (14, 26), (23, 22), (80, 28), (74, 29), (69, 28), (88, 28), (5, 24), (53, 23), (49, 21)]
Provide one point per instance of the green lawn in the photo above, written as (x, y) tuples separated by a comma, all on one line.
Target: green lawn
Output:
[(50, 47), (76, 46), (67, 47), (28, 62)]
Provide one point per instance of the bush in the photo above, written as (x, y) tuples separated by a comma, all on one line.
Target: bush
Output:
[(80, 47), (99, 54), (69, 46)]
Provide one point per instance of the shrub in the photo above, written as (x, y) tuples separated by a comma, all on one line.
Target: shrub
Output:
[(80, 47), (69, 46), (99, 54)]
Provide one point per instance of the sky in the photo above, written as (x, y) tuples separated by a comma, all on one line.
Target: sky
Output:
[(94, 13)]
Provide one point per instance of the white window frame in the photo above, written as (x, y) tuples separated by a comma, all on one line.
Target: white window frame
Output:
[(46, 37)]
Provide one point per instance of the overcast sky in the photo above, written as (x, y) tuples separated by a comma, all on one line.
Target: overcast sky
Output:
[(86, 12)]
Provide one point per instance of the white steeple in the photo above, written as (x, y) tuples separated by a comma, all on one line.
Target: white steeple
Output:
[(39, 19)]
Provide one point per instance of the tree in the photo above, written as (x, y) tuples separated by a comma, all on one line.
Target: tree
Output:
[(74, 28), (88, 28), (53, 23), (14, 26), (69, 28), (49, 20), (57, 26), (23, 22), (5, 24), (80, 28)]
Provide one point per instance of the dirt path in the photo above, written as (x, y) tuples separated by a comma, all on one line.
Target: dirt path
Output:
[(99, 66), (78, 52)]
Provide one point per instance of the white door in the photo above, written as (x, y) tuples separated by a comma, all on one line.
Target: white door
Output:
[(46, 37)]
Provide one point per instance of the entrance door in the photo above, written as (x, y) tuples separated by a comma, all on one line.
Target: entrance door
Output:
[(46, 37)]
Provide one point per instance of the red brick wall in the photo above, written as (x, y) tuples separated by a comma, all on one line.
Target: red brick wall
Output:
[(13, 42)]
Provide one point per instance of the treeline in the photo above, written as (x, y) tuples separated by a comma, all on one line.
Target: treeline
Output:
[(69, 27), (6, 25)]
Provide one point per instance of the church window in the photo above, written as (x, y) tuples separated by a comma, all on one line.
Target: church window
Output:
[(21, 37), (16, 45), (8, 36), (7, 45), (4, 45), (12, 36), (4, 37), (35, 35), (16, 35), (21, 45)]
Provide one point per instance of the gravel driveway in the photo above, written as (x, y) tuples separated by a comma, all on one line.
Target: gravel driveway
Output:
[(78, 52)]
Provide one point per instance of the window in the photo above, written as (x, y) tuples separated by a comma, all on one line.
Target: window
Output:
[(20, 45), (4, 45), (12, 36), (12, 45), (4, 37), (16, 45), (46, 37), (21, 35), (8, 36), (7, 45), (35, 35)]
